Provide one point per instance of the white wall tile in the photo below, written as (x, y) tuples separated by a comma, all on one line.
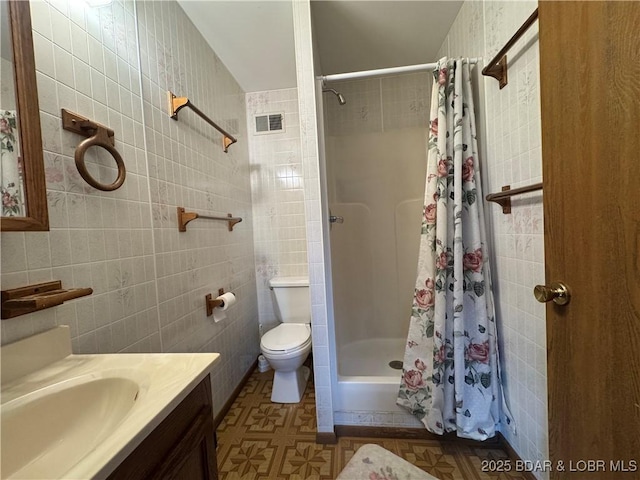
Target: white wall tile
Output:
[(277, 196), (39, 254), (191, 170), (88, 62), (64, 66), (61, 28), (14, 258), (313, 207)]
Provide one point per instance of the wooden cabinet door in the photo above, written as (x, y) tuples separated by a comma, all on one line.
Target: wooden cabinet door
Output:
[(193, 456), (590, 94), (180, 448)]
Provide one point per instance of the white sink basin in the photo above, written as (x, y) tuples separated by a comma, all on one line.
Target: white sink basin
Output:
[(77, 417), (47, 431)]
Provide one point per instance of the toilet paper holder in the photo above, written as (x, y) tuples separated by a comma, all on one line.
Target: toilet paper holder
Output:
[(213, 302)]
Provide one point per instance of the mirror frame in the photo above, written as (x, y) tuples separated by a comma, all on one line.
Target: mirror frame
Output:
[(31, 150)]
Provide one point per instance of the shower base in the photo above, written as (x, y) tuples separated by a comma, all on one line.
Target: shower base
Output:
[(371, 357), (368, 386)]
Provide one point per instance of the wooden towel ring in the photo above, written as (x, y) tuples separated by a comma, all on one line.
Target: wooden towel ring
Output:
[(99, 136)]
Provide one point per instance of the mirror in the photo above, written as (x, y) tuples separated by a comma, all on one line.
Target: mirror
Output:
[(24, 194)]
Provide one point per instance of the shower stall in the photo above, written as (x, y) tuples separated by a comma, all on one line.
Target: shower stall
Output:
[(375, 156)]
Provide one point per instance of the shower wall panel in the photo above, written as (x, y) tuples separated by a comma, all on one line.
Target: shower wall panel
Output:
[(376, 162)]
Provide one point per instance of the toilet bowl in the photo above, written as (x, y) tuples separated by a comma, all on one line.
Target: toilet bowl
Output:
[(287, 346)]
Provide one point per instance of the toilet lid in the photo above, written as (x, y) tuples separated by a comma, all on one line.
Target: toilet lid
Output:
[(286, 336)]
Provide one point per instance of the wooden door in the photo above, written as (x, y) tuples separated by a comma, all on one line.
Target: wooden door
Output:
[(590, 93)]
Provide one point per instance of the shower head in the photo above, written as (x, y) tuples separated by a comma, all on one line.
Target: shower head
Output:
[(341, 99)]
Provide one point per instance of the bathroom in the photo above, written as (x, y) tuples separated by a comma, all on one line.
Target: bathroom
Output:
[(114, 64)]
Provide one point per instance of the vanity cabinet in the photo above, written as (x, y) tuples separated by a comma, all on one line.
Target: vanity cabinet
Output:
[(181, 447)]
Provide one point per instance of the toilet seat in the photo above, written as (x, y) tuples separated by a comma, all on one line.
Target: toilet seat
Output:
[(286, 338)]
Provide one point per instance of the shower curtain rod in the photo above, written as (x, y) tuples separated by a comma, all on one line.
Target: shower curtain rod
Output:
[(384, 71)]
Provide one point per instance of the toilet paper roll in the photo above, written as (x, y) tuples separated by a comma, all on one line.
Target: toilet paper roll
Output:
[(228, 299)]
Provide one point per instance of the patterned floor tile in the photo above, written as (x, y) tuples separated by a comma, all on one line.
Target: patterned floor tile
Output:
[(250, 388), (432, 458), (232, 418), (304, 419), (261, 440), (248, 459), (267, 418), (308, 460)]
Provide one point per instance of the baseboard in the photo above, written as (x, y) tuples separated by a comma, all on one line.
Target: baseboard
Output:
[(227, 406), (513, 455), (326, 438), (408, 433)]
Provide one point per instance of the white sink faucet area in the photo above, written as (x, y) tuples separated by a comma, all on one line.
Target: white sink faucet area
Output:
[(79, 416)]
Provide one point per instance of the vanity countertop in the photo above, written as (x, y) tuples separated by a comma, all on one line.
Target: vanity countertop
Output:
[(160, 382)]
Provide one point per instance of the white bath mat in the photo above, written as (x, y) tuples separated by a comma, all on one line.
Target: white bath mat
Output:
[(374, 462)]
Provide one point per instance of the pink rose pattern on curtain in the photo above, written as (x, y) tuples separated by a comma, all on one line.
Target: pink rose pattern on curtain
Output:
[(451, 378)]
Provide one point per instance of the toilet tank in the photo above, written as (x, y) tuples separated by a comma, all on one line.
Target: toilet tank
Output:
[(292, 303)]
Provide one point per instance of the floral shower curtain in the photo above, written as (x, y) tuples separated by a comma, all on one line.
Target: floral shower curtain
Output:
[(451, 375)]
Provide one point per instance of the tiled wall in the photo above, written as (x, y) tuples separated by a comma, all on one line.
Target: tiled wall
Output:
[(315, 210), (188, 168), (372, 418), (97, 239), (511, 118), (149, 280), (277, 186)]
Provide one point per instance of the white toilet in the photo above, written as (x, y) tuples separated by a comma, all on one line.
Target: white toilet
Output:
[(287, 346)]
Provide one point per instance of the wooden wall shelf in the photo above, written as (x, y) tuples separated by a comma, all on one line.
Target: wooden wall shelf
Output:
[(23, 300)]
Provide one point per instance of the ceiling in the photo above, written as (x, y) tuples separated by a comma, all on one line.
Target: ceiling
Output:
[(365, 35), (254, 39)]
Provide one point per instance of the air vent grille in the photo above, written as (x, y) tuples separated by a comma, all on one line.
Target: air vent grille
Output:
[(275, 122), (272, 123)]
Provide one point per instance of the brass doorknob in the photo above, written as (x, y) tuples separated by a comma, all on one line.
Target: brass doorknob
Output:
[(558, 292)]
